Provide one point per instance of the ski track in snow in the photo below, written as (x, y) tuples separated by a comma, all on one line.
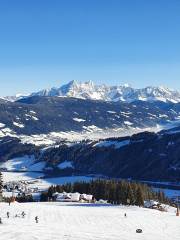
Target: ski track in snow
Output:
[(88, 222)]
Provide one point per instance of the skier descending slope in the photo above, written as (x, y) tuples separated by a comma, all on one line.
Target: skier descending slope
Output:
[(23, 214), (36, 219)]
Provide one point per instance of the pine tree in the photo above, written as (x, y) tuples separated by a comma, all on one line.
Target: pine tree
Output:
[(123, 197), (161, 196), (139, 197), (130, 195)]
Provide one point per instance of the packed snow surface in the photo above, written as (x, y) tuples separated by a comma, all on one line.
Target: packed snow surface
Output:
[(60, 221)]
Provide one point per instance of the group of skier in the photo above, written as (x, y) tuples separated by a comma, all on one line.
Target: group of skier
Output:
[(23, 214)]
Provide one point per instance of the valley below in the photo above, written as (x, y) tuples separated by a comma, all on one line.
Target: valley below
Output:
[(69, 134)]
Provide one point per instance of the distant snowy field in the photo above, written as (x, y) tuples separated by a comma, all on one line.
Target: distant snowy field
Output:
[(60, 221), (44, 183)]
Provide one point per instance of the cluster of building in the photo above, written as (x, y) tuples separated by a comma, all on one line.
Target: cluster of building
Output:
[(155, 205), (73, 197), (17, 188)]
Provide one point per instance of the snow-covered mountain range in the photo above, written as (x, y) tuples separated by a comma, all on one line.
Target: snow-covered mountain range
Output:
[(89, 90), (92, 129)]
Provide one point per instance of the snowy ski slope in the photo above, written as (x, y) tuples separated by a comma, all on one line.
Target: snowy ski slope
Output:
[(58, 221)]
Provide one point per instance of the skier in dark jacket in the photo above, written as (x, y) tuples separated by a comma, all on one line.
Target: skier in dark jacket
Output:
[(7, 214), (36, 219), (23, 214)]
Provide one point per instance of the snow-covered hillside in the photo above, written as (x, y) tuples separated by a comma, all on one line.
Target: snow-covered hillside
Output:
[(80, 221), (47, 120), (88, 90)]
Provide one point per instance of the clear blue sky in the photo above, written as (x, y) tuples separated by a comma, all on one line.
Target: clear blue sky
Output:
[(46, 43)]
